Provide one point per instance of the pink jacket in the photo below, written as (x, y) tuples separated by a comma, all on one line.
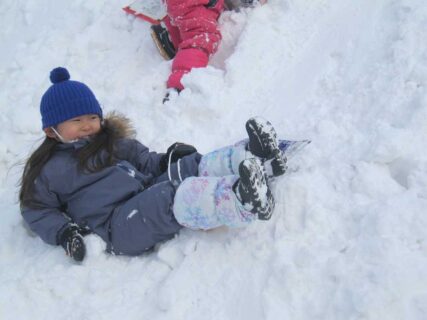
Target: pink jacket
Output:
[(194, 32)]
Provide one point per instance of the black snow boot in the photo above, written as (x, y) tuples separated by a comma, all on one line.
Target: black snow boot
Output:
[(161, 38), (263, 144), (252, 189), (237, 4), (170, 92)]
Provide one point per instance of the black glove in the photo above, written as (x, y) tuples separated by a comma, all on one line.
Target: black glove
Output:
[(211, 3), (176, 151), (72, 242)]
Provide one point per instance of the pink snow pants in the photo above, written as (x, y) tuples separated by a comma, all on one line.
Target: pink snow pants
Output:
[(194, 32)]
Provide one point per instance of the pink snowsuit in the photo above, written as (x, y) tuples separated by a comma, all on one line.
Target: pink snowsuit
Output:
[(193, 29)]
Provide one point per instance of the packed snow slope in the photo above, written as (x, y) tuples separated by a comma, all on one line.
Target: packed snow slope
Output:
[(348, 239)]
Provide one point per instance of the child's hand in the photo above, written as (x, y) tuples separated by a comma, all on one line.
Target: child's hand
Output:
[(72, 241), (176, 151)]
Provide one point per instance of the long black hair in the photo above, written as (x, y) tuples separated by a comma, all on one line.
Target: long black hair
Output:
[(98, 154)]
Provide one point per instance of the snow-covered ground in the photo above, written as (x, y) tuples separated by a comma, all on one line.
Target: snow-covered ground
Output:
[(348, 239)]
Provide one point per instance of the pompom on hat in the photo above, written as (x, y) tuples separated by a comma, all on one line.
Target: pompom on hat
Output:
[(66, 99)]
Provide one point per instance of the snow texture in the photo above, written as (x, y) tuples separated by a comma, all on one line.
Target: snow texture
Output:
[(132, 213), (348, 238)]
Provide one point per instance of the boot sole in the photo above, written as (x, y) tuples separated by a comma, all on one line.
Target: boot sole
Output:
[(164, 52), (254, 182), (266, 135)]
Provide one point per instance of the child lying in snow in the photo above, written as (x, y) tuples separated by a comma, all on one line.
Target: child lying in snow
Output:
[(90, 175), (190, 34)]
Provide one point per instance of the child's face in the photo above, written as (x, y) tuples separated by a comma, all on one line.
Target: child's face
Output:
[(77, 128)]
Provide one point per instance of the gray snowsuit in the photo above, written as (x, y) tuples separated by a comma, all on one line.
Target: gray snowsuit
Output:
[(133, 205), (98, 200)]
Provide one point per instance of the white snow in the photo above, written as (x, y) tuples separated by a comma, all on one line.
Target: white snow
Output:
[(348, 239), (132, 173), (132, 213)]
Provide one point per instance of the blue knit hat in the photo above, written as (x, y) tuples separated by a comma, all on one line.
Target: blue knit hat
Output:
[(66, 99)]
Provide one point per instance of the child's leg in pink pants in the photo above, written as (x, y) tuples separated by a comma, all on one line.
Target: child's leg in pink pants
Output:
[(199, 35)]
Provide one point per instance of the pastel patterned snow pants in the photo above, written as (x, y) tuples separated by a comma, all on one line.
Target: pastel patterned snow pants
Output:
[(208, 201)]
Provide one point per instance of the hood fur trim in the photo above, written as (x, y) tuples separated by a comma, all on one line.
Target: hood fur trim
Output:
[(121, 125)]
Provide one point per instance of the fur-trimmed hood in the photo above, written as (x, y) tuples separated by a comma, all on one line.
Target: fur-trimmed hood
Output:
[(120, 125)]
